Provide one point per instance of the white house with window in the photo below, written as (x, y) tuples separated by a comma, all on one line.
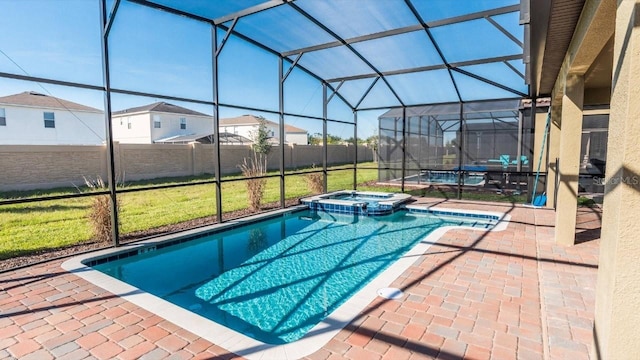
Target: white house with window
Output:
[(158, 122), (247, 126), (32, 118)]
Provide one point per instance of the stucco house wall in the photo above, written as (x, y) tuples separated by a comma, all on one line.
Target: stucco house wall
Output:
[(25, 125), (296, 138), (132, 128), (149, 123), (247, 126)]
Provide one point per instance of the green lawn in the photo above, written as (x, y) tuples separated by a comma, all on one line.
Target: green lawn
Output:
[(32, 227)]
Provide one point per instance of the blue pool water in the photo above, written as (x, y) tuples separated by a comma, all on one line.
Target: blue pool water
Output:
[(275, 279), (370, 200), (450, 178)]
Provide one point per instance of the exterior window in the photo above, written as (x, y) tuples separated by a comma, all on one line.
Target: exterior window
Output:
[(157, 124), (183, 123), (49, 120), (128, 123), (3, 119)]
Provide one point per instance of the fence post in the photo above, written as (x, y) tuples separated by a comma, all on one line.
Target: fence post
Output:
[(195, 161)]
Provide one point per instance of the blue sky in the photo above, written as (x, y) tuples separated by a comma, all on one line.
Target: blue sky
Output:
[(156, 52)]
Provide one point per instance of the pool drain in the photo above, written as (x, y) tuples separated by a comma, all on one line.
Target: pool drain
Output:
[(390, 293)]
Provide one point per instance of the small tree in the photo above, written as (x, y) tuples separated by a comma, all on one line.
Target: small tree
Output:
[(256, 165), (333, 139), (315, 139), (373, 142)]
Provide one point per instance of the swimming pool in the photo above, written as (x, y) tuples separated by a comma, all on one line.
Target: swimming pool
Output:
[(447, 178), (275, 291)]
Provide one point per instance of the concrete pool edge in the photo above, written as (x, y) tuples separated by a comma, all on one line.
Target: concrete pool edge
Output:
[(236, 342), (366, 203)]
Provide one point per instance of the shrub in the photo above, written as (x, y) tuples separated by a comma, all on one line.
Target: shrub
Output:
[(315, 181), (257, 165), (255, 187), (100, 211)]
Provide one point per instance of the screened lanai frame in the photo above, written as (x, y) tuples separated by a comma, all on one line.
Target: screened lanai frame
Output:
[(324, 42), (414, 140)]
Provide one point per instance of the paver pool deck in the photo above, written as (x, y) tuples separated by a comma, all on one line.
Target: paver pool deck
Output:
[(513, 294)]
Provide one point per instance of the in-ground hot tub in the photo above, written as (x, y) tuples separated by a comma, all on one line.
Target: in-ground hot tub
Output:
[(357, 202)]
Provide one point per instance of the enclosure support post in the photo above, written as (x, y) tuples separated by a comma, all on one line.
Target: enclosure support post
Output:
[(404, 147), (533, 155), (553, 152), (428, 143), (115, 233), (324, 137), (216, 121), (281, 127), (460, 143), (355, 151), (519, 151)]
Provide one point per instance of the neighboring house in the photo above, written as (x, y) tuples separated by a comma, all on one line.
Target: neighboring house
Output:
[(31, 118), (159, 123), (171, 124), (247, 126)]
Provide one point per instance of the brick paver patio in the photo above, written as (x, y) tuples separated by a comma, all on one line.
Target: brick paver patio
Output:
[(513, 294)]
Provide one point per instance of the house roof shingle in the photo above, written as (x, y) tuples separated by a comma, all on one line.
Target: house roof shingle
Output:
[(160, 107), (253, 120), (35, 99)]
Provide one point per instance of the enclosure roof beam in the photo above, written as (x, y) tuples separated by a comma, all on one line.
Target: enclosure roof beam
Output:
[(235, 33), (373, 83), (475, 15), (226, 37), (172, 10), (351, 48), (160, 96), (505, 32), (430, 67), (114, 10), (334, 92), (513, 68), (50, 81), (490, 82), (291, 67), (249, 11), (407, 29), (437, 104), (415, 13), (378, 35)]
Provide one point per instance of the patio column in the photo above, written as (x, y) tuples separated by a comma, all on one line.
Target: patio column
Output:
[(568, 167), (618, 290)]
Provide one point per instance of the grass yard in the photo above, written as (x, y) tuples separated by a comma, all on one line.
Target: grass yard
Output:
[(39, 226)]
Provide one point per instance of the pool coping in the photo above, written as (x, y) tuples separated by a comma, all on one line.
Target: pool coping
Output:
[(236, 342), (393, 200)]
